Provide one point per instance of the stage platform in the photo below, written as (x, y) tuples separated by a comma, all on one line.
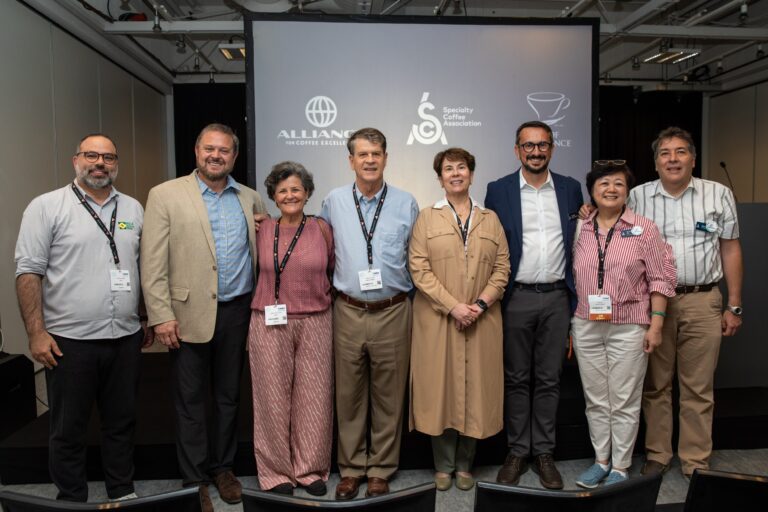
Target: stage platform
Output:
[(741, 420)]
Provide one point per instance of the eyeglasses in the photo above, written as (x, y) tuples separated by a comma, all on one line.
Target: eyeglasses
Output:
[(607, 163), (543, 146), (93, 157)]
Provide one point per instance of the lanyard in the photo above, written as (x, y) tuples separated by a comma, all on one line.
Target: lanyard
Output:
[(601, 252), (279, 267), (465, 228), (109, 233), (369, 234)]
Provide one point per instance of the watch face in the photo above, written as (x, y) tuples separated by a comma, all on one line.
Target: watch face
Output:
[(736, 310)]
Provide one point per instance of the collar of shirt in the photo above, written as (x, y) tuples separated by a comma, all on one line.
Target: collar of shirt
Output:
[(547, 184), (231, 183), (112, 194), (374, 199), (692, 184), (444, 202), (627, 218)]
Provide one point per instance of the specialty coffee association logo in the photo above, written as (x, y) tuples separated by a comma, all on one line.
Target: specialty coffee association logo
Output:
[(320, 112), (432, 128)]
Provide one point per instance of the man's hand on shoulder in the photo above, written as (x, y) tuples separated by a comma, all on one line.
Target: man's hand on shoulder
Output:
[(42, 347), (167, 333), (258, 218), (585, 210)]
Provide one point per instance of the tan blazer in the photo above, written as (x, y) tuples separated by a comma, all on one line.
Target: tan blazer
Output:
[(178, 256)]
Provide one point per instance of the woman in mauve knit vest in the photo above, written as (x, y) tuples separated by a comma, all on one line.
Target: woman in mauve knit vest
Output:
[(290, 340)]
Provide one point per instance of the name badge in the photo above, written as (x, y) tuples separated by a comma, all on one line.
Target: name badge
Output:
[(276, 314), (709, 227), (119, 280), (370, 279), (600, 308), (634, 231)]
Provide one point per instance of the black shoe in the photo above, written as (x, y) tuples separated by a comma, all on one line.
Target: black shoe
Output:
[(284, 488), (549, 476), (514, 467), (316, 488)]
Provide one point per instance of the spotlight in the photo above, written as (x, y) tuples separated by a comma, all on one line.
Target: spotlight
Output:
[(635, 63), (181, 45), (210, 78), (156, 27), (197, 61), (719, 69), (743, 14), (760, 53)]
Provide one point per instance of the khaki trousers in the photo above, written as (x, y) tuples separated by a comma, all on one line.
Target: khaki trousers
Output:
[(691, 338), (371, 352)]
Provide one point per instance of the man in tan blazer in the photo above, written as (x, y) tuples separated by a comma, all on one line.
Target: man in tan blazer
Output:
[(198, 267)]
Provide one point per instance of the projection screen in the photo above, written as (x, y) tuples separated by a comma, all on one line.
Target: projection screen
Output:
[(427, 84)]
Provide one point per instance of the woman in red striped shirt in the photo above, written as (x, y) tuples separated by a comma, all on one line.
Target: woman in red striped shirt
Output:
[(624, 272)]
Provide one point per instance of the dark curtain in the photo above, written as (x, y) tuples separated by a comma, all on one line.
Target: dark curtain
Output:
[(631, 120), (196, 105)]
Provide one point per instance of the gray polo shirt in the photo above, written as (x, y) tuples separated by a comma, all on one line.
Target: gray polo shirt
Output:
[(60, 241)]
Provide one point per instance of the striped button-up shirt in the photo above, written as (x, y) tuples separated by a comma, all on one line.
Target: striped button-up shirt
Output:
[(637, 263), (230, 236), (692, 223)]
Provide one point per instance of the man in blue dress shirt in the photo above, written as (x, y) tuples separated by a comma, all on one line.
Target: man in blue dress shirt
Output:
[(372, 224)]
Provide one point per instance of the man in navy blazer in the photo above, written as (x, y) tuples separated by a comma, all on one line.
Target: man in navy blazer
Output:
[(538, 210)]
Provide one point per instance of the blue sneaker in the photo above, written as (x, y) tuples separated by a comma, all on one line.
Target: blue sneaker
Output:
[(590, 478), (615, 477)]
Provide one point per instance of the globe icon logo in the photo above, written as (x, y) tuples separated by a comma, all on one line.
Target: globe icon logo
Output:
[(320, 111)]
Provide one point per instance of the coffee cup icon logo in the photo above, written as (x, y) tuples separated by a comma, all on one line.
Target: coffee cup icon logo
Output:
[(549, 106)]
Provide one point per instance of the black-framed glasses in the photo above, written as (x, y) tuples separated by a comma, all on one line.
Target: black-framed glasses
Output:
[(93, 157), (609, 163), (543, 146)]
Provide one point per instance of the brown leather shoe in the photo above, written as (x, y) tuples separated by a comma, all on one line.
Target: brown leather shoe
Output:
[(549, 476), (652, 467), (206, 505), (229, 487), (513, 468), (348, 487), (376, 486)]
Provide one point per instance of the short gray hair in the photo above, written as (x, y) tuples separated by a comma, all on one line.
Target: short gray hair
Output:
[(285, 170)]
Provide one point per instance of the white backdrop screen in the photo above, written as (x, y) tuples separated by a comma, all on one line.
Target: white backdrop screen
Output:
[(426, 86)]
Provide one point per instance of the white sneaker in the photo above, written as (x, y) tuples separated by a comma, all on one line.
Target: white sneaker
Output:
[(131, 496)]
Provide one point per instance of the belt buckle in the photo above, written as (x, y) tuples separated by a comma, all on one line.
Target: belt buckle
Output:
[(536, 288), (696, 289)]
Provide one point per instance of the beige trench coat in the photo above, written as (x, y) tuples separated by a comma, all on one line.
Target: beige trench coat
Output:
[(457, 378)]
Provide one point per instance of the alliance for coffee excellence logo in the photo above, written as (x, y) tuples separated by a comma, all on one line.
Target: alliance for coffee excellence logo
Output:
[(320, 112)]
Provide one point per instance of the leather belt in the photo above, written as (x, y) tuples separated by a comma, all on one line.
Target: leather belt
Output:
[(693, 289), (377, 305), (540, 287)]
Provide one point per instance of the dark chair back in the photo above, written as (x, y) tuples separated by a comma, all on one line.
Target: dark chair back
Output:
[(635, 495), (719, 491), (183, 500), (414, 499)]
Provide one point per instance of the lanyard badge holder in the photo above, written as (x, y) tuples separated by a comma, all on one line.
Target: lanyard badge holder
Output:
[(600, 306), (277, 314), (370, 279), (119, 280)]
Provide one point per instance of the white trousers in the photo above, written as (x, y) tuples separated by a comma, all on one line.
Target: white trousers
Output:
[(612, 366)]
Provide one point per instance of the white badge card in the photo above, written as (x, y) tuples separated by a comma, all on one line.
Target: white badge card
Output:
[(370, 279), (276, 315), (119, 280), (600, 307)]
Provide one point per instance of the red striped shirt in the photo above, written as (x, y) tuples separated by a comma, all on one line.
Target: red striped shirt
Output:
[(635, 266)]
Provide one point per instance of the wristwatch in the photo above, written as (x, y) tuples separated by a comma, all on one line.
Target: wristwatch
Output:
[(736, 310), (482, 304)]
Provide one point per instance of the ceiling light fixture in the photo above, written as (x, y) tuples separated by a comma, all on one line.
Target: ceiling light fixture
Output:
[(197, 61), (210, 78), (719, 68), (672, 55), (156, 27), (635, 63), (232, 51), (760, 53)]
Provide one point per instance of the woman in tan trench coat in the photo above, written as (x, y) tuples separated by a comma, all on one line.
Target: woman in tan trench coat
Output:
[(459, 262)]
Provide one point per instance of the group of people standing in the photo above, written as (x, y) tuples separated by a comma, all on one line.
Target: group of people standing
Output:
[(322, 305)]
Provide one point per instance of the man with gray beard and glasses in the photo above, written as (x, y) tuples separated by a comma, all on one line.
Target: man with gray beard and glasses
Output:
[(77, 281)]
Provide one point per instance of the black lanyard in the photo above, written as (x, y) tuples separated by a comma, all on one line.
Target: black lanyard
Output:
[(369, 234), (281, 266), (602, 252), (465, 228), (109, 233)]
